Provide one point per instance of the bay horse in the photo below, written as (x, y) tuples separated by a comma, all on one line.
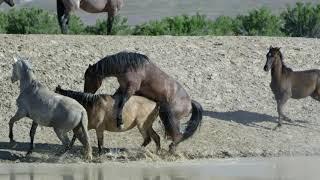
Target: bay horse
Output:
[(64, 7), (48, 109), (136, 74), (9, 2), (286, 83), (138, 111)]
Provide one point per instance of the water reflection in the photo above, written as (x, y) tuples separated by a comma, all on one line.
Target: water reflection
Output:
[(283, 168)]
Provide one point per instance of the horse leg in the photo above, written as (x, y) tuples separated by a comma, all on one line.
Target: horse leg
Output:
[(63, 16), (280, 105), (124, 96), (155, 137), (83, 136), (63, 137), (19, 115), (110, 20), (170, 125), (145, 135), (32, 133), (99, 133)]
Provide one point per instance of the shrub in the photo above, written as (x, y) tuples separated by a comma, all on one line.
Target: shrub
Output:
[(31, 21), (119, 27), (302, 21), (260, 22)]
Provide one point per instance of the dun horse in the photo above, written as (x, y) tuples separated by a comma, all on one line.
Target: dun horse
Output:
[(286, 83), (139, 111), (9, 2), (136, 74), (64, 7), (48, 109)]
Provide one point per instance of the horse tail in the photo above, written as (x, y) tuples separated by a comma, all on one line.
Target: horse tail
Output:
[(195, 120)]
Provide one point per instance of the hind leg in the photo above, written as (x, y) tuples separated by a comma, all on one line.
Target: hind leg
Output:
[(145, 135), (155, 137), (99, 133), (171, 126), (32, 134), (82, 135), (63, 137)]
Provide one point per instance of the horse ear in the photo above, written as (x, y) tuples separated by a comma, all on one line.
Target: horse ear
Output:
[(59, 87), (15, 59), (270, 47), (90, 65)]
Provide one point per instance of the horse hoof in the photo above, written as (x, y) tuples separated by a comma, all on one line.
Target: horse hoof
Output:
[(172, 149), (28, 153), (277, 127), (88, 157)]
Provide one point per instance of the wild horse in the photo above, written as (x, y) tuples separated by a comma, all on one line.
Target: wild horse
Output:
[(138, 111), (64, 7), (136, 74), (48, 109), (286, 83)]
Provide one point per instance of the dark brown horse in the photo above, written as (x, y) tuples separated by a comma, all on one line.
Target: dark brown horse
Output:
[(9, 2), (136, 74), (64, 7), (139, 111), (286, 83)]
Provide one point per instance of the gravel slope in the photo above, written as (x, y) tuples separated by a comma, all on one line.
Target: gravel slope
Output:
[(223, 73)]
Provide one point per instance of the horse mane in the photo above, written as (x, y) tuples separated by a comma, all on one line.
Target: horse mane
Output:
[(120, 63), (83, 98), (285, 68)]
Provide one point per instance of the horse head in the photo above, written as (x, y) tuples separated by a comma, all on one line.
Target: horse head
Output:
[(272, 55), (92, 81)]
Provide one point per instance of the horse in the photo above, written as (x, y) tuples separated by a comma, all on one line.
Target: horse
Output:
[(47, 108), (9, 2), (139, 111), (286, 83), (64, 7), (137, 75)]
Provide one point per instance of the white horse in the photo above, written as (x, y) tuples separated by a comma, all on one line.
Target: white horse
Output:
[(48, 109), (9, 2), (64, 7)]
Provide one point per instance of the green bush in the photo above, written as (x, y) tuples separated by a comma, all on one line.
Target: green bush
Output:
[(260, 22), (75, 26), (302, 21), (119, 27), (222, 26), (3, 22), (31, 21), (176, 26)]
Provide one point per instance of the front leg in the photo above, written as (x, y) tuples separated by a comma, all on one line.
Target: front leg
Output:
[(32, 134), (19, 115), (281, 101)]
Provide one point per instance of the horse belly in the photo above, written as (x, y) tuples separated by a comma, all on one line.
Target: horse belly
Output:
[(97, 6)]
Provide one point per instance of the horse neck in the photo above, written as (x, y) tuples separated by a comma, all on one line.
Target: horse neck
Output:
[(26, 79), (82, 98)]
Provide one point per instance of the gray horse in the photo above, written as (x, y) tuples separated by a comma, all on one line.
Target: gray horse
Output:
[(48, 109), (9, 2), (64, 7)]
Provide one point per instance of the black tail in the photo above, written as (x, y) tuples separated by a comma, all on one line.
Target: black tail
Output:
[(195, 120)]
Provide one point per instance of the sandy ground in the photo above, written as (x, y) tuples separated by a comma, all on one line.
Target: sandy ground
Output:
[(223, 73)]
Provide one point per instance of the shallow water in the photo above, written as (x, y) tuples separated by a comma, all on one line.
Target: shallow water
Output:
[(232, 169)]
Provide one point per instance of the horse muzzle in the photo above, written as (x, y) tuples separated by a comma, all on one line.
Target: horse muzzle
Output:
[(266, 68)]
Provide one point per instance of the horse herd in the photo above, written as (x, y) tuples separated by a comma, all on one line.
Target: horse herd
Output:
[(145, 92)]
